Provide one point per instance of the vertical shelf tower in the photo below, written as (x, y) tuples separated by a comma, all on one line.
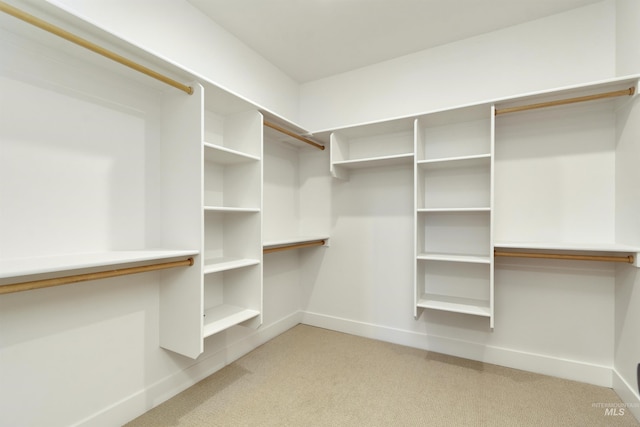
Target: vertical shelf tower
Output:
[(453, 212), (232, 205), (226, 168)]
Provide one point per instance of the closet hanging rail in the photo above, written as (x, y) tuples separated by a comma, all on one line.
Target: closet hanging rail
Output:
[(47, 283), (293, 135), (294, 246), (625, 92), (626, 259), (44, 25)]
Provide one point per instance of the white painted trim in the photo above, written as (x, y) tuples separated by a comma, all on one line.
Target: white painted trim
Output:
[(531, 362), (627, 394), (140, 402)]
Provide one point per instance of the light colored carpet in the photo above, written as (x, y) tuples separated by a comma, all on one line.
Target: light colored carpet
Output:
[(314, 377)]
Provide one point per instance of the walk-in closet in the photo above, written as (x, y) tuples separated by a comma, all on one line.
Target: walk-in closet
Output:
[(173, 198)]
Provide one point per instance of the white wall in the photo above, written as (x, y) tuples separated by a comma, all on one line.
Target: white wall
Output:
[(627, 315), (569, 48), (175, 30), (627, 37), (627, 320)]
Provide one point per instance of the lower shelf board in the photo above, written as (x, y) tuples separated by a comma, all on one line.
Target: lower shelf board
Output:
[(476, 259), (215, 265), (221, 317), (390, 160), (455, 304)]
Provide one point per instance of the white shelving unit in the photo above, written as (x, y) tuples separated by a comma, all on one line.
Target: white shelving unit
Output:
[(372, 145), (149, 174), (114, 156), (453, 216), (226, 170), (232, 177)]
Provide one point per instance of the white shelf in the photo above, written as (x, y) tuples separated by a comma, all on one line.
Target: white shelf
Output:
[(459, 161), (226, 156), (230, 209), (216, 265), (455, 304), (221, 317), (477, 259), (562, 246), (396, 159), (292, 241), (444, 210), (14, 267)]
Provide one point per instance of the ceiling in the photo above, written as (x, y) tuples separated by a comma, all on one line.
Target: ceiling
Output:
[(312, 39)]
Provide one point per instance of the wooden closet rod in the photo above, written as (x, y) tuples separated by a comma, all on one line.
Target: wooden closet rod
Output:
[(626, 259), (44, 25), (47, 283), (293, 135), (294, 246), (625, 92)]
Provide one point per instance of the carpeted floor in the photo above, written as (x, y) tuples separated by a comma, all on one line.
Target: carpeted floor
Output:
[(314, 377)]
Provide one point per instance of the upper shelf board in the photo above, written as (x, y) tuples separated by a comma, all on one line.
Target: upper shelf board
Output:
[(562, 246), (397, 159), (16, 267)]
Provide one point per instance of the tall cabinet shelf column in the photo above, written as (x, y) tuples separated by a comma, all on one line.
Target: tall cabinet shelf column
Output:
[(453, 211), (232, 206), (223, 176)]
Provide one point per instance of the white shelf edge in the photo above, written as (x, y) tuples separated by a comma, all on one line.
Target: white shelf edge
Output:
[(436, 210), (292, 240), (231, 153), (224, 264), (221, 317), (445, 160), (476, 259), (587, 247), (373, 161), (230, 209), (455, 304), (16, 267)]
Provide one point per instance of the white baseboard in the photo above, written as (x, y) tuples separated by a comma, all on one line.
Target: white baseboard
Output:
[(627, 394), (154, 394), (538, 363)]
